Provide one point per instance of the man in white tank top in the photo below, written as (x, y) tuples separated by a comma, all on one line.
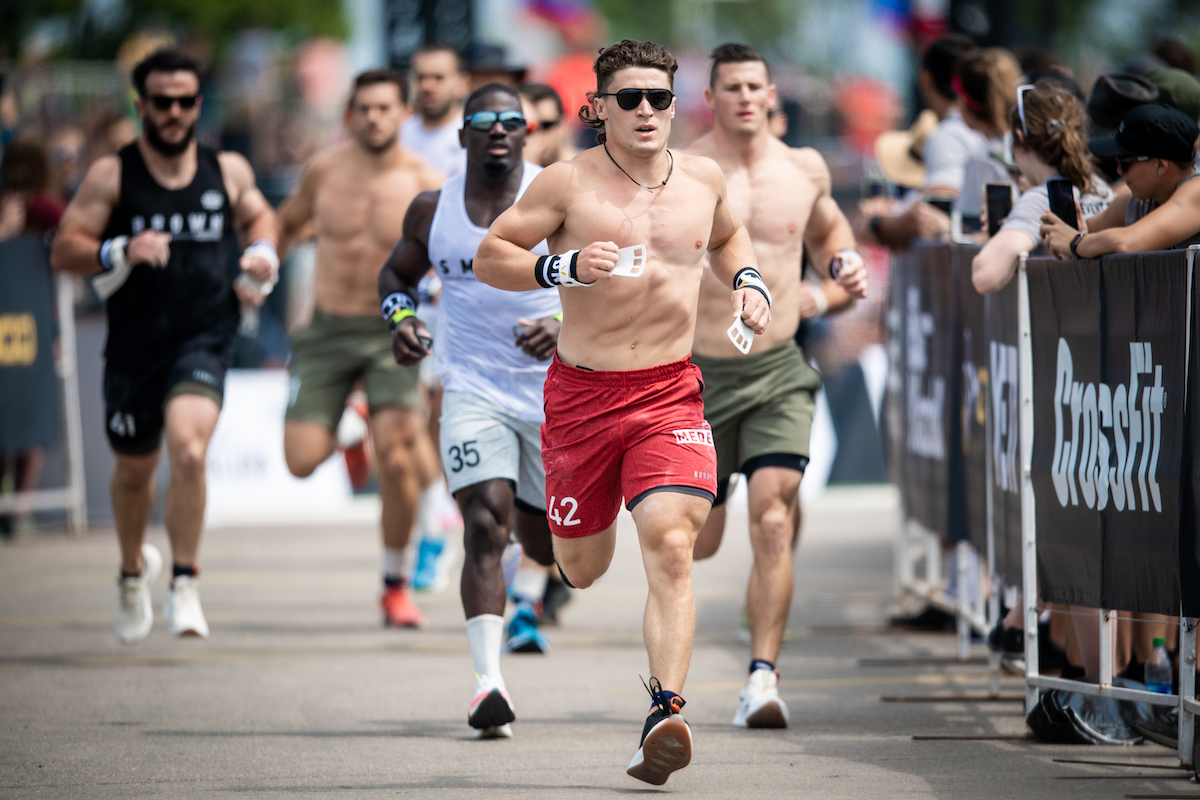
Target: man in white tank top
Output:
[(493, 351)]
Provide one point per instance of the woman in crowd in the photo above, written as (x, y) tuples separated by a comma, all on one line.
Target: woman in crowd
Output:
[(1049, 142)]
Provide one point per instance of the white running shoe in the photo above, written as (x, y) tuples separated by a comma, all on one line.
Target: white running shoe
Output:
[(135, 614), (182, 608), (759, 704)]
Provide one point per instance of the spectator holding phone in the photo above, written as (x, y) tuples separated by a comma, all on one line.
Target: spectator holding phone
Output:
[(1156, 149), (945, 152), (1048, 125)]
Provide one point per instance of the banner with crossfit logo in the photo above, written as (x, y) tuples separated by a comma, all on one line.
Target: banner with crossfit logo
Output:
[(1109, 381), (1004, 447)]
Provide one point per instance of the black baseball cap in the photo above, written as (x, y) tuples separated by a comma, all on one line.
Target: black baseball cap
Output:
[(1152, 130)]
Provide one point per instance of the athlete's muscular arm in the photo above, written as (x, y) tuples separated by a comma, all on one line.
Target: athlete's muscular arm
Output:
[(299, 208), (252, 215), (829, 233), (730, 251), (77, 247), (403, 270), (504, 258)]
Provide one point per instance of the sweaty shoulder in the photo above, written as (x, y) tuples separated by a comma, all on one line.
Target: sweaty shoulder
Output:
[(813, 164), (419, 217), (236, 169), (104, 177), (703, 169)]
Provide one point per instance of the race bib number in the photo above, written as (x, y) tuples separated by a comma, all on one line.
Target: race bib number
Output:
[(563, 511)]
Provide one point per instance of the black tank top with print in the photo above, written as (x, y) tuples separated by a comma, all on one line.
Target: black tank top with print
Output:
[(190, 302)]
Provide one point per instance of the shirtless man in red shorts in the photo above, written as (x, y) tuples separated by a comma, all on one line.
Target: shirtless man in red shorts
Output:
[(632, 222)]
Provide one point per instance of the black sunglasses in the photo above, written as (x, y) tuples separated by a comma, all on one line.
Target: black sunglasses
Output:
[(164, 102), (1128, 161), (629, 99), (484, 120), (547, 124)]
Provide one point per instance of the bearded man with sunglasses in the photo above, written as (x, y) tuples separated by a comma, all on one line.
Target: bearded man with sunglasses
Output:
[(760, 406), (630, 222), (493, 349), (153, 227), (355, 198)]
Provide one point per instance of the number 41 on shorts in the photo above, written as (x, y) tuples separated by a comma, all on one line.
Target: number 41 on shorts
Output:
[(568, 505)]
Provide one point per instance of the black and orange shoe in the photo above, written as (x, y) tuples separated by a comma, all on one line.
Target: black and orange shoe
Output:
[(666, 740)]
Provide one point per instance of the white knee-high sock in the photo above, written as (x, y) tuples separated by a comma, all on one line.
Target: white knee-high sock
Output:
[(429, 510), (485, 634)]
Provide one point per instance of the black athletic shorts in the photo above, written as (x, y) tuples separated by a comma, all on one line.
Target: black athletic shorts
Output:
[(136, 393)]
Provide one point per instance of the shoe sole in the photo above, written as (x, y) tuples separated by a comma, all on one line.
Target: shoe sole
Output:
[(493, 711), (1157, 738), (387, 623), (530, 645), (496, 732), (769, 715), (667, 748)]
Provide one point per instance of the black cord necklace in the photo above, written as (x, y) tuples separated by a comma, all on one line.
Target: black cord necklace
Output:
[(670, 169)]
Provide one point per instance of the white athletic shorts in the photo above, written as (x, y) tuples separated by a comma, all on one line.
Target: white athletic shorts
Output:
[(483, 442)]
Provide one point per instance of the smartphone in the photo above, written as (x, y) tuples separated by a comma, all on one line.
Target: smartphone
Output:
[(944, 204), (1062, 200), (998, 197), (875, 187)]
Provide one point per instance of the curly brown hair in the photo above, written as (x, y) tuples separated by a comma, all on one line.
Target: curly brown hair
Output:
[(625, 53), (1056, 131)]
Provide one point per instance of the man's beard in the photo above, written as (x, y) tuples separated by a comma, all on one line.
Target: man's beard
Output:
[(155, 139), (376, 149), (438, 111)]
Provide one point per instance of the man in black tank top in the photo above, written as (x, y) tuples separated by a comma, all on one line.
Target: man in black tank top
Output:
[(152, 226)]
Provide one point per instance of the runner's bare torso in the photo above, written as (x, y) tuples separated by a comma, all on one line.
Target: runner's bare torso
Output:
[(776, 195), (358, 203)]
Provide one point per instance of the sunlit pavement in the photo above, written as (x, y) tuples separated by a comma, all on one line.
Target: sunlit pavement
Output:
[(301, 692)]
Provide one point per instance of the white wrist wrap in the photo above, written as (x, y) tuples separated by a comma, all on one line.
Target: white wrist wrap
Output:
[(820, 299), (266, 250), (559, 270), (748, 278), (116, 265)]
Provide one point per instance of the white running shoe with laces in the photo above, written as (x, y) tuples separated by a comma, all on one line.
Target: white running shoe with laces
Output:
[(182, 608), (135, 614), (759, 704)]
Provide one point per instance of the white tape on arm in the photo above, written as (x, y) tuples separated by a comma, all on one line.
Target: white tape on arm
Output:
[(116, 265)]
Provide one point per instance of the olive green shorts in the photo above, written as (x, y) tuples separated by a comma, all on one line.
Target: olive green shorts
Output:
[(760, 405), (331, 354)]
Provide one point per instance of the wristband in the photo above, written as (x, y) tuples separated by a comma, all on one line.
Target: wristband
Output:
[(559, 270), (1075, 245), (116, 266), (748, 278), (840, 256), (396, 307), (264, 248), (820, 299), (557, 316)]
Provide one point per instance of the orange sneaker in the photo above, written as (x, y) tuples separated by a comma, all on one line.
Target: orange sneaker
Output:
[(399, 611), (358, 464)]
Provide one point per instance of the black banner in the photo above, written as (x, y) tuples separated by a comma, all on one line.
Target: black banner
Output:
[(1108, 419), (932, 377), (973, 399), (894, 414), (1004, 448), (29, 411)]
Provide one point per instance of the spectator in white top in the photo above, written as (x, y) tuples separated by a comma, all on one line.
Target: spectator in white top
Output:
[(1049, 130), (945, 151), (1156, 149), (442, 83)]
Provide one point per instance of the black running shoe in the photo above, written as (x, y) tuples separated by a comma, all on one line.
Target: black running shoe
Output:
[(1163, 729), (666, 739), (491, 711)]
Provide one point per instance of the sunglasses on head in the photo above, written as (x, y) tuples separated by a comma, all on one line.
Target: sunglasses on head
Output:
[(629, 99), (1128, 161), (164, 102), (1021, 90), (484, 120)]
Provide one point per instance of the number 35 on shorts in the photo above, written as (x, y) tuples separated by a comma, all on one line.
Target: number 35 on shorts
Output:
[(563, 511)]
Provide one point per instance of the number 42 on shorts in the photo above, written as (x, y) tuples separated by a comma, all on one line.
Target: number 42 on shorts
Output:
[(568, 506)]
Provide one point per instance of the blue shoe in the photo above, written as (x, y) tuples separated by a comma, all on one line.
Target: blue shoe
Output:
[(523, 633), (425, 576)]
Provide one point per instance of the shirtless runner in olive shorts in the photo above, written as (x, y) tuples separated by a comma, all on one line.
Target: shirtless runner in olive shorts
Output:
[(760, 405)]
